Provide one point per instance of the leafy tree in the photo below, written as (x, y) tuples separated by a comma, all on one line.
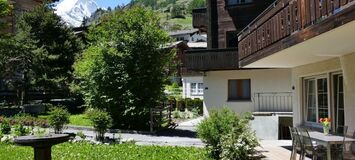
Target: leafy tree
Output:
[(5, 10), (196, 4), (177, 11), (41, 54), (59, 46), (123, 70)]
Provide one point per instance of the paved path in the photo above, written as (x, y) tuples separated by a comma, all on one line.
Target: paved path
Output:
[(276, 149), (183, 135)]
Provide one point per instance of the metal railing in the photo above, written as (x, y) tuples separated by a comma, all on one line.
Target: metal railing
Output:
[(273, 102)]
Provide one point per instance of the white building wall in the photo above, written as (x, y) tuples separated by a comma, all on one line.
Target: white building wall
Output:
[(263, 80), (186, 86), (344, 64)]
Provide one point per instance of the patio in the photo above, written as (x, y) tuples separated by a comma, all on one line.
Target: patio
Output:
[(276, 149)]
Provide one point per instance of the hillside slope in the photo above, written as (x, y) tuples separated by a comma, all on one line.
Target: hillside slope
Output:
[(175, 14)]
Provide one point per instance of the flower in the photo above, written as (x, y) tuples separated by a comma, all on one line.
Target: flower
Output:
[(325, 122)]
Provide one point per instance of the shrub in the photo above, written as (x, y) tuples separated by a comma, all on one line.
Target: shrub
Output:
[(198, 105), (189, 103), (58, 117), (28, 120), (176, 113), (224, 131), (20, 130), (81, 134), (101, 121), (236, 145), (5, 127)]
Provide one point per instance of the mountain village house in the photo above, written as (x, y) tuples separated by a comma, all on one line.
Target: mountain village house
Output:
[(315, 40), (266, 92)]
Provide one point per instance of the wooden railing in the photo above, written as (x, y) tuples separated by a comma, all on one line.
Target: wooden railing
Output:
[(218, 59), (199, 18), (284, 18)]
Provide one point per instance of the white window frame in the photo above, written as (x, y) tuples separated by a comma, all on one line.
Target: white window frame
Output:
[(196, 91), (305, 107)]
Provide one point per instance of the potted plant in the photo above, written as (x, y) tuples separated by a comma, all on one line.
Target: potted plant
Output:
[(326, 125)]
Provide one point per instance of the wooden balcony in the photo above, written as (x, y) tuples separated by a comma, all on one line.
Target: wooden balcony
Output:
[(287, 23), (207, 60), (199, 19)]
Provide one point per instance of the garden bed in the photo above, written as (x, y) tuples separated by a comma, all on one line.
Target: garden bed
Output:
[(86, 151)]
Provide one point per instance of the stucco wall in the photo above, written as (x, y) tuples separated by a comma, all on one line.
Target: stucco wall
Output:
[(186, 86), (263, 80), (346, 64), (324, 67)]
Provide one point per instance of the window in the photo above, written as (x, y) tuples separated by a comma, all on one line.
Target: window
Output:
[(196, 88), (236, 2), (316, 98), (338, 97), (200, 88), (231, 39), (239, 89)]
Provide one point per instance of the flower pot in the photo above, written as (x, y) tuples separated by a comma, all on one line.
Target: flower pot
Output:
[(326, 130)]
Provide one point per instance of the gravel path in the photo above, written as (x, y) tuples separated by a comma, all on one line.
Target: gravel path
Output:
[(183, 135)]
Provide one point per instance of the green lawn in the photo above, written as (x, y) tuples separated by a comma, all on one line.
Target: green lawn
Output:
[(75, 119), (79, 120), (186, 23), (84, 151)]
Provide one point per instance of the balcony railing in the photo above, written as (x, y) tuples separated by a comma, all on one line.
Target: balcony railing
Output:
[(273, 102), (204, 60), (199, 18), (289, 22)]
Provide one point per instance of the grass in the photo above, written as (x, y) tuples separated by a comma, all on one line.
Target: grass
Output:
[(75, 119), (79, 120), (84, 151), (186, 23)]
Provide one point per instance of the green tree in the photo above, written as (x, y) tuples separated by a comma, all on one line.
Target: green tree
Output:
[(41, 54), (123, 70), (59, 47), (196, 4), (5, 10)]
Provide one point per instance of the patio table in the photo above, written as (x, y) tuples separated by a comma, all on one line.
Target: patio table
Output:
[(328, 140)]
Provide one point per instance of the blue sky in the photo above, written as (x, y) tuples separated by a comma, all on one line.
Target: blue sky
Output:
[(111, 3)]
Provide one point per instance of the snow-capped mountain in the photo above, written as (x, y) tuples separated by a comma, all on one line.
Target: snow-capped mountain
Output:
[(74, 11)]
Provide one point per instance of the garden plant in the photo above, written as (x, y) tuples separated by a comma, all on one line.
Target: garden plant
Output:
[(227, 135)]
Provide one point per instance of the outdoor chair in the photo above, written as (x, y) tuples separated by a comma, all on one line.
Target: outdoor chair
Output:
[(310, 147), (348, 154), (339, 150), (296, 144)]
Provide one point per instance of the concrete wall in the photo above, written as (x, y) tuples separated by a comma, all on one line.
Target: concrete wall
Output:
[(344, 64), (266, 127), (186, 86), (263, 80)]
